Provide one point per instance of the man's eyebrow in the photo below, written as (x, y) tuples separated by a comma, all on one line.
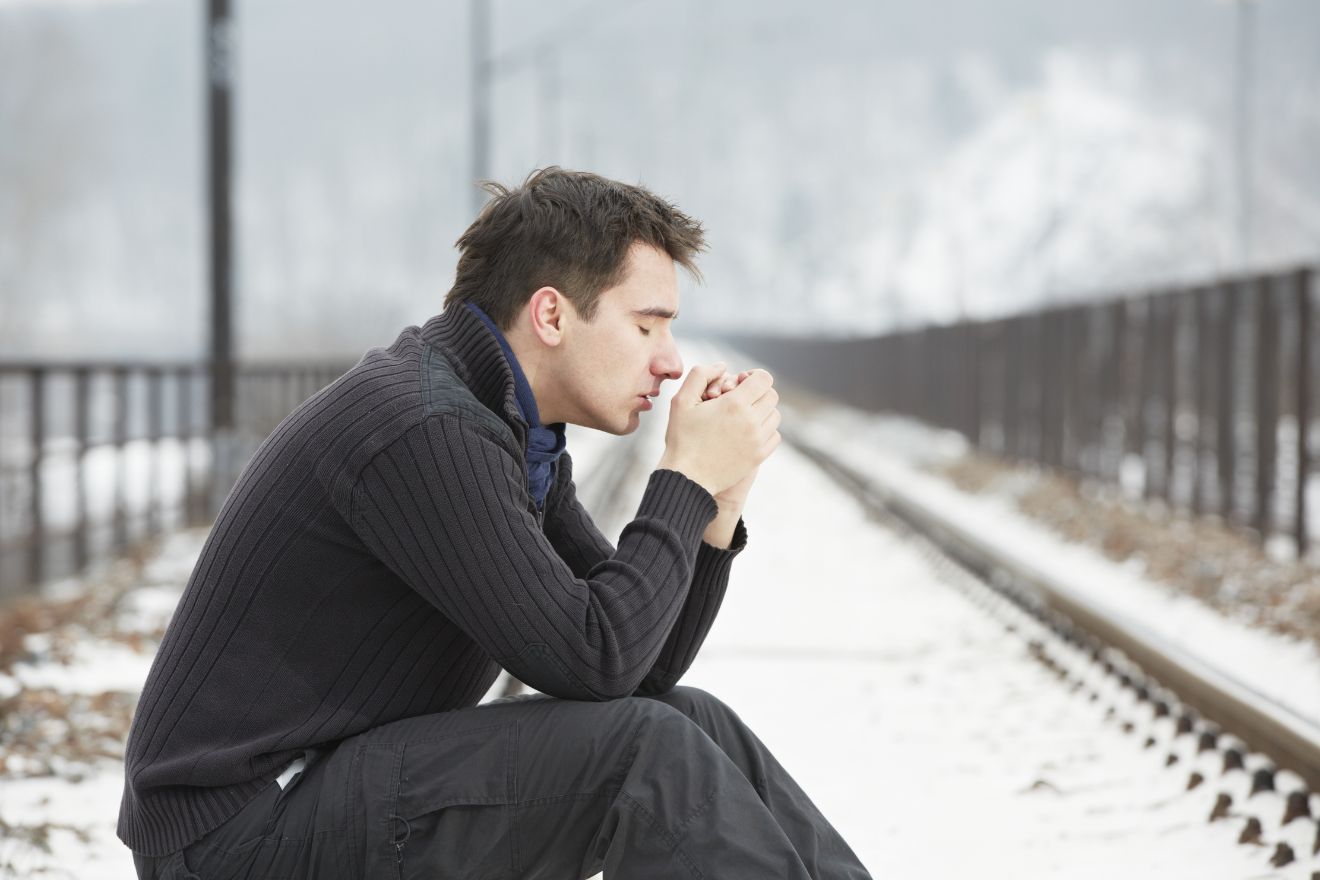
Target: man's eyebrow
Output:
[(655, 312)]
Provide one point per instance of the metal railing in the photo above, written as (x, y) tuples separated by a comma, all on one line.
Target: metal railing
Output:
[(1202, 396), (95, 457)]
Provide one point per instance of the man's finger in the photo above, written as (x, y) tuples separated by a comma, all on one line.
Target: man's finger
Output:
[(754, 386), (718, 386), (767, 401), (721, 386), (698, 378)]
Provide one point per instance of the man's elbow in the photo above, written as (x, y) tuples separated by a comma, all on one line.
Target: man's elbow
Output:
[(656, 683), (541, 669)]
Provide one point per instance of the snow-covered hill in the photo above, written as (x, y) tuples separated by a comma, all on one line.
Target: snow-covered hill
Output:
[(1074, 185)]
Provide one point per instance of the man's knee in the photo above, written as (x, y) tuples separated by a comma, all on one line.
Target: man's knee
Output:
[(659, 709), (657, 726), (627, 716), (694, 702)]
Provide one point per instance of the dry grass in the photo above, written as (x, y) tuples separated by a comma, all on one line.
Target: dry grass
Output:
[(1199, 557), (46, 731)]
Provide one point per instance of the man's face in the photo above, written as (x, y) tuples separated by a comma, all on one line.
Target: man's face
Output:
[(615, 362)]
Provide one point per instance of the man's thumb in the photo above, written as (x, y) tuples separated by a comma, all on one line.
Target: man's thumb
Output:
[(697, 379)]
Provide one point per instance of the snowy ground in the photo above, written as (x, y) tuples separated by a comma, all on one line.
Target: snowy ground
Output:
[(923, 729), (894, 451), (60, 791)]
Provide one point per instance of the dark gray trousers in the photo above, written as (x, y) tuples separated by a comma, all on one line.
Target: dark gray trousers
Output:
[(673, 786)]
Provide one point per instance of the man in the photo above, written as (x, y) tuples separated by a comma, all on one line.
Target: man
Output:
[(312, 710)]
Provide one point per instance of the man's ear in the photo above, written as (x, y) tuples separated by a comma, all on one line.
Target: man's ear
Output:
[(546, 312)]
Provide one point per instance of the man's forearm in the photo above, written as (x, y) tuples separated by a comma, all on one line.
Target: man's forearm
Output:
[(720, 531), (710, 579)]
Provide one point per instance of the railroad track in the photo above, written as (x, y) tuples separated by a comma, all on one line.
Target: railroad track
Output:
[(1254, 763)]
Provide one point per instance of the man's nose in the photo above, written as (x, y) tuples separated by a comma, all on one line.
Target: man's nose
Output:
[(669, 364)]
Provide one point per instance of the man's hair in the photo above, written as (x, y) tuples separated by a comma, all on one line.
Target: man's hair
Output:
[(570, 230)]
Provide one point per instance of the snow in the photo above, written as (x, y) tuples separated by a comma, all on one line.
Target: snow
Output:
[(93, 669), (1284, 670), (919, 725), (83, 805)]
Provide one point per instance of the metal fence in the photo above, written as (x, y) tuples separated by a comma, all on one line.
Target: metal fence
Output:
[(95, 457), (1202, 396)]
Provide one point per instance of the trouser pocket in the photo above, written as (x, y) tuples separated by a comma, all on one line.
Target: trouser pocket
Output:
[(441, 807), (236, 847)]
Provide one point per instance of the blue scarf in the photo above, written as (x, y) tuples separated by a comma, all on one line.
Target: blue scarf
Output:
[(545, 443)]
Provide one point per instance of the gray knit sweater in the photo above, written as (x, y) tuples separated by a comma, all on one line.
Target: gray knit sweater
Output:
[(380, 557)]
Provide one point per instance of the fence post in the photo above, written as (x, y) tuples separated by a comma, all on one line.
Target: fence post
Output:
[(1068, 357), (1267, 403), (120, 442), (1086, 392), (1302, 292), (929, 377), (1118, 388), (153, 377), (976, 361), (1056, 383), (1145, 395), (82, 432), (37, 435), (1012, 349), (996, 376), (958, 412), (1172, 325), (890, 374), (183, 427), (1225, 447), (1041, 366), (1065, 361), (1202, 360)]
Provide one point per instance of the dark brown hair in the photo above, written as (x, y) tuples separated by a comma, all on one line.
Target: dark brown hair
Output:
[(570, 230)]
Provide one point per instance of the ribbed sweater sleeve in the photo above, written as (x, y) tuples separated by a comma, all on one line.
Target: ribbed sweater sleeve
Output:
[(582, 546), (569, 527), (445, 507), (710, 579)]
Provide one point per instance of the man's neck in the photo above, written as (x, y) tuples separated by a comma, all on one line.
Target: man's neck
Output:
[(531, 355)]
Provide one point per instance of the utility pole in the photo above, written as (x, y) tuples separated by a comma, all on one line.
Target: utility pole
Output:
[(549, 80), (481, 71), (544, 54), (220, 51), (1242, 123)]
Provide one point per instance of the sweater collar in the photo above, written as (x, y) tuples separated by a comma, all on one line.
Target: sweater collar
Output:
[(522, 389), (487, 366), (479, 361)]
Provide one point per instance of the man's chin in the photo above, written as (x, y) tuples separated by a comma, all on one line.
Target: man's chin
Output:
[(630, 423), (634, 422)]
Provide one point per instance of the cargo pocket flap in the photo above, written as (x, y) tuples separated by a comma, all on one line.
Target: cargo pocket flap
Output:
[(472, 767)]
